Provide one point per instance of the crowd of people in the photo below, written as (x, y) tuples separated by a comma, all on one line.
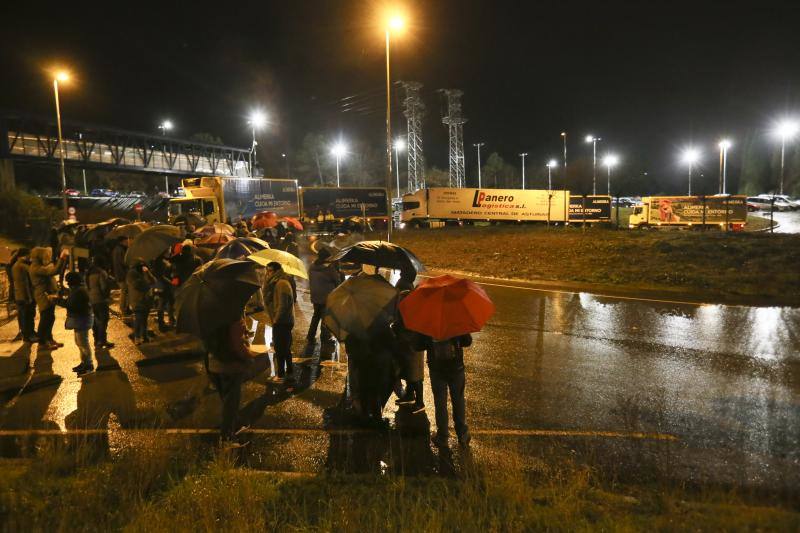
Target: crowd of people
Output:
[(389, 360)]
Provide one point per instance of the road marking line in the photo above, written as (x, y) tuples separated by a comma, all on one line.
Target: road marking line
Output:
[(594, 294), (310, 431)]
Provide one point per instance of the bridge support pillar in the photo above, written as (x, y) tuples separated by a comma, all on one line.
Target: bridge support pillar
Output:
[(7, 179)]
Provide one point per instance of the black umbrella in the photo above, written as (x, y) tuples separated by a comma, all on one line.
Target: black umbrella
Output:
[(127, 230), (189, 218), (360, 307), (153, 242), (215, 295), (101, 229), (241, 248), (380, 254)]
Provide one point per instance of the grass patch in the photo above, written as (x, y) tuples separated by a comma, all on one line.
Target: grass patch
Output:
[(711, 265), (161, 488)]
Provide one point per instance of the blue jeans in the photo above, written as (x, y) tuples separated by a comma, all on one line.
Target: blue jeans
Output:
[(82, 342), (454, 382)]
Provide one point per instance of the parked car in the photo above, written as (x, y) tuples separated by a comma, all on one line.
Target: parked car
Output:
[(782, 200), (764, 203), (72, 192), (162, 194), (103, 193), (136, 194), (623, 201)]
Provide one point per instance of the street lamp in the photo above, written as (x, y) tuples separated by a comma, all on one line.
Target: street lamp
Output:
[(257, 120), (566, 205), (786, 130), (689, 157), (166, 126), (394, 24), (478, 146), (592, 139), (522, 155), (338, 151), (399, 145), (550, 166), (724, 145), (61, 76), (610, 161)]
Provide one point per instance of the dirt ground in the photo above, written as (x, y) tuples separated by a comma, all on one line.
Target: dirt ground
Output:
[(711, 265)]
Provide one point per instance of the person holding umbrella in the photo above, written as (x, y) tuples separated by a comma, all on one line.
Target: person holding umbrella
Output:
[(444, 310), (324, 277), (279, 303), (211, 306), (120, 269)]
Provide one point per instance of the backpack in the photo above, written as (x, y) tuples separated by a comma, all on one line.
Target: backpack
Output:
[(444, 351)]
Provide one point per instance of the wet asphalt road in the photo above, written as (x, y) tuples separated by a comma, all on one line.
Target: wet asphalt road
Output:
[(583, 373)]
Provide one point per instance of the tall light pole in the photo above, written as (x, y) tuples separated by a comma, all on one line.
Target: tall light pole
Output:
[(257, 120), (338, 151), (395, 24), (288, 168), (550, 166), (690, 157), (610, 161), (399, 144), (786, 130), (478, 146), (592, 139), (724, 145), (522, 155), (62, 76), (83, 171), (165, 126)]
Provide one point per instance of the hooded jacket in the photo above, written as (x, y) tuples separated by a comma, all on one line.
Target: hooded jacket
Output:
[(323, 278), (42, 272), (20, 275), (279, 299)]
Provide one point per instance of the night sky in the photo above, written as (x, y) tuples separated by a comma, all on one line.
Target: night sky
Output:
[(647, 77)]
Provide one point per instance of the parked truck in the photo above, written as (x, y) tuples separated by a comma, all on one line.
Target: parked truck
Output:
[(438, 206), (338, 205), (222, 199), (690, 211)]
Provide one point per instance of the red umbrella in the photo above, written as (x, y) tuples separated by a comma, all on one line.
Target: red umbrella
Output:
[(265, 219), (293, 222), (444, 307)]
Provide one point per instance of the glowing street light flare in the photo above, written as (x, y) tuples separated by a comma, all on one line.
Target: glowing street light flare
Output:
[(258, 119), (62, 75), (785, 130), (592, 139), (338, 150), (610, 161), (550, 166), (724, 144), (690, 156), (400, 144), (396, 23), (167, 125)]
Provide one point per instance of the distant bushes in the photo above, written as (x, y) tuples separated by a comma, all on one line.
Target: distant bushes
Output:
[(24, 216)]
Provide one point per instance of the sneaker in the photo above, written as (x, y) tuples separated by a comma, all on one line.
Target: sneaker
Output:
[(56, 344), (440, 441), (85, 370), (418, 408)]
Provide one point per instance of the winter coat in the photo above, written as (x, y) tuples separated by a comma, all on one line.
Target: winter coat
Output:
[(139, 284), (279, 300), (411, 359), (98, 286), (184, 265), (322, 279), (228, 350), (20, 276), (42, 272), (118, 263), (79, 310)]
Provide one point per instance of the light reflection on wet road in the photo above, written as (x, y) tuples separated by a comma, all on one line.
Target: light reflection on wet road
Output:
[(723, 379)]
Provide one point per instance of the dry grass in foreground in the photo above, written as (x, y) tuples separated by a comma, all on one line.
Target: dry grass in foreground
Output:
[(160, 488), (710, 265)]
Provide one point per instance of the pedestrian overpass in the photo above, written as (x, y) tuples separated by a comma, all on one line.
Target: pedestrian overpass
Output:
[(35, 139)]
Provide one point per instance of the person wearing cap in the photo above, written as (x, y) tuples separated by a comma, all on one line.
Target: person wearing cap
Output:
[(79, 320)]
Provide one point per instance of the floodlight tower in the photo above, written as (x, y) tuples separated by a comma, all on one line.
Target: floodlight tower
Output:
[(414, 112), (455, 121)]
